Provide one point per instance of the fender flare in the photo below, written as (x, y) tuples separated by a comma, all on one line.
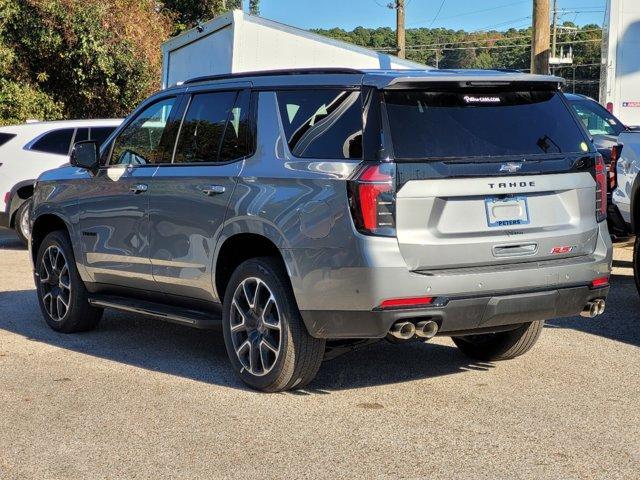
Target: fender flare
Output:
[(15, 202)]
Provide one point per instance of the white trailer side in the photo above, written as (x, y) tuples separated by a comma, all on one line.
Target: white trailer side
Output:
[(620, 80), (239, 42)]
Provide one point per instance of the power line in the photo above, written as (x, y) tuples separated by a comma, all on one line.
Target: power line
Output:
[(437, 13), (474, 12)]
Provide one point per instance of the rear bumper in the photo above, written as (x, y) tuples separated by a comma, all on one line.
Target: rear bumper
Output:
[(338, 290), (457, 315)]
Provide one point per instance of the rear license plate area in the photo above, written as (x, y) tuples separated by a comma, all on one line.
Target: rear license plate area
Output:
[(507, 211)]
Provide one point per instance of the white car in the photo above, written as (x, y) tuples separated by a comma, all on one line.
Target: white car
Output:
[(28, 150)]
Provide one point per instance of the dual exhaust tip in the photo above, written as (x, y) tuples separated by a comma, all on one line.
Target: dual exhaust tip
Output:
[(593, 309), (425, 329)]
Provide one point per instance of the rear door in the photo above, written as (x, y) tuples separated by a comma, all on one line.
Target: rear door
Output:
[(490, 176), (189, 197)]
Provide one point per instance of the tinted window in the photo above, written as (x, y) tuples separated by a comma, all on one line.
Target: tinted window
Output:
[(5, 137), (474, 124), (82, 134), (322, 123), (214, 129), (100, 134), (597, 119), (140, 143), (57, 141)]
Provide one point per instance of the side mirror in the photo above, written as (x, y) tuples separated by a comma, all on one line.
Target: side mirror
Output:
[(85, 155)]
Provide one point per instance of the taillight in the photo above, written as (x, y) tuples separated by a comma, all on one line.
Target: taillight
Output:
[(405, 302), (610, 107), (601, 189), (600, 282), (616, 150), (7, 198), (372, 200)]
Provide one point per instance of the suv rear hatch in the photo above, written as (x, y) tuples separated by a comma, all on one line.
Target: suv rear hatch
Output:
[(490, 175)]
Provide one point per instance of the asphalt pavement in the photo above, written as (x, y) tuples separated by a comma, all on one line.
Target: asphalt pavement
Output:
[(139, 398)]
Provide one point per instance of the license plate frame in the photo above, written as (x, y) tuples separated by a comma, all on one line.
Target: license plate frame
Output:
[(494, 221)]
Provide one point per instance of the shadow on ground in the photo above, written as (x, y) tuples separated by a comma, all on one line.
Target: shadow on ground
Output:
[(621, 320), (10, 241), (200, 355)]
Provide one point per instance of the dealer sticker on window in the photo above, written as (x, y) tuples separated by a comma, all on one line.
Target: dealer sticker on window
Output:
[(507, 212)]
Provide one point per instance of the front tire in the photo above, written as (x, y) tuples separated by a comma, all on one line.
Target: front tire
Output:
[(267, 342), (21, 222), (500, 345), (62, 296)]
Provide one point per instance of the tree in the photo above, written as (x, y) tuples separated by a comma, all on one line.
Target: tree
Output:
[(94, 58), (189, 13)]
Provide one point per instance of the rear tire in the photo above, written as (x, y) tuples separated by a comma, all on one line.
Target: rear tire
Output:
[(21, 222), (62, 296), (501, 345), (267, 342)]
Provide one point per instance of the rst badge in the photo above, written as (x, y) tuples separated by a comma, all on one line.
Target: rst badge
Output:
[(562, 250)]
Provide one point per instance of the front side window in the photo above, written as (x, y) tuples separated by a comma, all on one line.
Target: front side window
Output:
[(57, 141), (214, 128), (140, 143), (481, 123), (597, 119), (100, 134), (323, 123)]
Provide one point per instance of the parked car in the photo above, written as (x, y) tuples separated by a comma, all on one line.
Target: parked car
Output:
[(604, 128), (28, 150), (298, 208), (625, 196)]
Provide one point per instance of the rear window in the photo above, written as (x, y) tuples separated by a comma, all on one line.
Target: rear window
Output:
[(324, 123), (429, 124), (5, 137)]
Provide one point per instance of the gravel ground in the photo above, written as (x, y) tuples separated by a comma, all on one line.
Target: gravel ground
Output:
[(139, 398)]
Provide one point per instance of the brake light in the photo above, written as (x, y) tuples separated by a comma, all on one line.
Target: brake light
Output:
[(600, 282), (406, 302), (7, 198), (372, 200), (616, 150), (610, 107), (601, 189)]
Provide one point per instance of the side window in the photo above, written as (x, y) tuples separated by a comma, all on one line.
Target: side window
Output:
[(214, 129), (100, 134), (323, 123), (140, 142), (82, 134), (57, 141)]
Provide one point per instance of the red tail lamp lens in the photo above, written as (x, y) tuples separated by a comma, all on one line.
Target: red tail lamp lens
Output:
[(600, 282), (373, 200), (406, 302), (610, 107)]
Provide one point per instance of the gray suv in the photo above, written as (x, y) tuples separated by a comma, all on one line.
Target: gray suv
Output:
[(310, 211)]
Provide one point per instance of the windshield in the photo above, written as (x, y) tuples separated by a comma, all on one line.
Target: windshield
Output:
[(596, 118), (455, 124)]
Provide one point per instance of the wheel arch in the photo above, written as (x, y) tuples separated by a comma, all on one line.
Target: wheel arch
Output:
[(20, 193), (42, 226)]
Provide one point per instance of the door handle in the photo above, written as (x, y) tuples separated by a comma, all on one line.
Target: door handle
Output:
[(213, 190), (139, 188)]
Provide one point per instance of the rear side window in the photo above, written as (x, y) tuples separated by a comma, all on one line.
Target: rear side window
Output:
[(5, 137), (214, 128), (100, 134), (57, 141), (428, 124), (323, 123)]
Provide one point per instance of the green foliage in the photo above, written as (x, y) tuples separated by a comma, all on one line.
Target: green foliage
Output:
[(189, 13)]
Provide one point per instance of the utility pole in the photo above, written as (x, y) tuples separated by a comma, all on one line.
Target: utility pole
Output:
[(540, 41), (554, 41), (400, 33)]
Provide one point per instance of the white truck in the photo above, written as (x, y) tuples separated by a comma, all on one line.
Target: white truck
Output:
[(239, 42), (620, 74)]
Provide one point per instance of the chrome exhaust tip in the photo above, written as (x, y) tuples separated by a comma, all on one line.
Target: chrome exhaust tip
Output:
[(593, 309), (426, 329), (403, 330), (601, 306)]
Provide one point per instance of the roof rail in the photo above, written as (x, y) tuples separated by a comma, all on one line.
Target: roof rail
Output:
[(270, 73)]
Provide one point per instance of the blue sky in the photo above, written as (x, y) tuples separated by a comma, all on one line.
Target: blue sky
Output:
[(472, 15)]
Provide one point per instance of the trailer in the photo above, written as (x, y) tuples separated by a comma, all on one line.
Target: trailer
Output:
[(620, 75), (239, 42)]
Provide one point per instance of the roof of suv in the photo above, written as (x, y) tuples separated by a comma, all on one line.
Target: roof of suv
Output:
[(376, 78), (57, 124)]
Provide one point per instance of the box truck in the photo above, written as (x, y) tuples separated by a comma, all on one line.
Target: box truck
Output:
[(239, 42), (620, 82)]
